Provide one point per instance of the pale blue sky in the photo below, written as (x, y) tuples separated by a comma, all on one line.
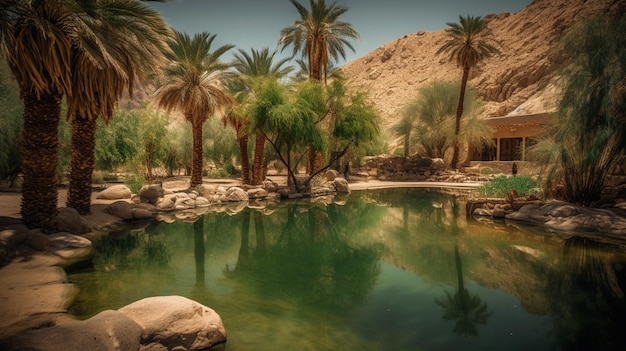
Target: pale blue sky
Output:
[(257, 23)]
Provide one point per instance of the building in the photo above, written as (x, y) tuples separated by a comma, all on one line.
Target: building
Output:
[(513, 136)]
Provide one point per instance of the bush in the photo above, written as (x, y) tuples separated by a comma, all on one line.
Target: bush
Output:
[(486, 170), (501, 186), (134, 182)]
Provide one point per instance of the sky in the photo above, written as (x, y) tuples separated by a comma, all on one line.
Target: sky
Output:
[(257, 23)]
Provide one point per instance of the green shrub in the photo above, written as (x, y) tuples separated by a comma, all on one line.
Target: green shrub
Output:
[(218, 173), (501, 186), (486, 170), (134, 182)]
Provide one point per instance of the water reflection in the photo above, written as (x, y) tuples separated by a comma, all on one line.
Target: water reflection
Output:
[(384, 270), (587, 297), (467, 310)]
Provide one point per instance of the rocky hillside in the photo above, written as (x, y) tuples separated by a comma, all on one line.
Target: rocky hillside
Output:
[(516, 81)]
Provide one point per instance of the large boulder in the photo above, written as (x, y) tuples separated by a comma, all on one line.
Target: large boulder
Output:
[(115, 192), (106, 331), (151, 193), (175, 321), (120, 209), (235, 194), (68, 220), (257, 193), (341, 185)]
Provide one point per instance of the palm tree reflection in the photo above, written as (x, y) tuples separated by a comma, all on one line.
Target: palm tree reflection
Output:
[(468, 311)]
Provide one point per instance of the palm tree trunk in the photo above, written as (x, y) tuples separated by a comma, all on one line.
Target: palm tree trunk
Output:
[(196, 163), (82, 164), (39, 152), (257, 166), (315, 160), (459, 113), (245, 162)]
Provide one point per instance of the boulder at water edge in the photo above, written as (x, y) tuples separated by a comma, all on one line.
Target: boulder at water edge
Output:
[(176, 321), (106, 331), (115, 192)]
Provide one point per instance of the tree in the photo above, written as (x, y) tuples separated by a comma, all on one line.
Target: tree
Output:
[(251, 65), (468, 43), (195, 84), (590, 138), (317, 34), (34, 39), (11, 110), (122, 39), (285, 117)]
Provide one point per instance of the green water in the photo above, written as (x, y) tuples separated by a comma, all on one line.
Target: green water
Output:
[(398, 269)]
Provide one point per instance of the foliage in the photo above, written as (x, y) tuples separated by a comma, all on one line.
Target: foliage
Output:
[(118, 142), (11, 110), (427, 122), (468, 43), (317, 34), (134, 182), (501, 186), (590, 138), (220, 144), (154, 141), (195, 84)]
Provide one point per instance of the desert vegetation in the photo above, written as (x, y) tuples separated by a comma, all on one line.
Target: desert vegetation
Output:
[(62, 58)]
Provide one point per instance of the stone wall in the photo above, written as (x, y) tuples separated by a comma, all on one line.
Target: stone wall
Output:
[(413, 168)]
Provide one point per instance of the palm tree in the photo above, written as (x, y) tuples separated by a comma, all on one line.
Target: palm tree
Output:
[(252, 65), (195, 84), (317, 34), (469, 42), (403, 128), (465, 309), (125, 38), (34, 41)]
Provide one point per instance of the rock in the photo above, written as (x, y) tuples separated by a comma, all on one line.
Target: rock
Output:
[(120, 209), (270, 186), (202, 201), (499, 213), (151, 193), (174, 321), (38, 241), (341, 185), (236, 194), (68, 220), (166, 204), (13, 236), (108, 330), (115, 192), (482, 212), (70, 249), (143, 214), (330, 175), (256, 193)]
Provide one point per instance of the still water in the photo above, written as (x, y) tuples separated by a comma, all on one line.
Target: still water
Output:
[(398, 269)]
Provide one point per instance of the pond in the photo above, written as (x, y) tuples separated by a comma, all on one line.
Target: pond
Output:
[(397, 269)]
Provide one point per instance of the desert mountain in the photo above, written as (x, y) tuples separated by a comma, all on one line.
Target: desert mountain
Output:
[(514, 82)]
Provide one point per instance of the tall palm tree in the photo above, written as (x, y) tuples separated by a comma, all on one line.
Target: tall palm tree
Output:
[(253, 65), (317, 34), (195, 84), (34, 40), (468, 43), (125, 38)]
